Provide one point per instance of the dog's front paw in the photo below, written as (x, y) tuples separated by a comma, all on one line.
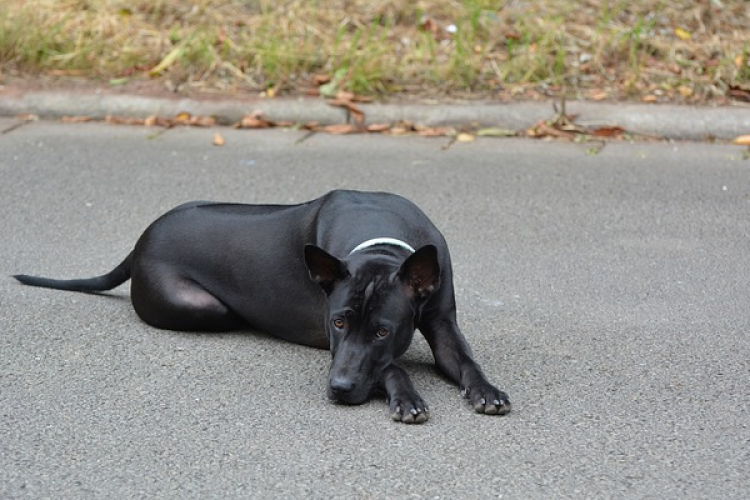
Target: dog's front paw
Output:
[(409, 409), (487, 399)]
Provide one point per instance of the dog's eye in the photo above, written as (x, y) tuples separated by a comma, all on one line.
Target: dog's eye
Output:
[(338, 323), (382, 332)]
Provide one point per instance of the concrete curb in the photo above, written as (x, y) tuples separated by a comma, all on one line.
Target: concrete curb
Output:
[(664, 120)]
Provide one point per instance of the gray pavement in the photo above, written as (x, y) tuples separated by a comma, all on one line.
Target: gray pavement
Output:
[(606, 293)]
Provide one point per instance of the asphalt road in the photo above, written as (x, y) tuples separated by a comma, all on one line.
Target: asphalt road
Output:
[(606, 293)]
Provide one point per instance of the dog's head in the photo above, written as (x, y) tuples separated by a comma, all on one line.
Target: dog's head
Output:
[(372, 308)]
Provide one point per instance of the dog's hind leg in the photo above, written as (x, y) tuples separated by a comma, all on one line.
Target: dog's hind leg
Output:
[(176, 303)]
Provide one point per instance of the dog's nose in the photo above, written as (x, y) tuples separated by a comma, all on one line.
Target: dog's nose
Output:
[(341, 386)]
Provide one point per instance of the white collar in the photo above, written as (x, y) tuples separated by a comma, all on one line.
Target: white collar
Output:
[(382, 241)]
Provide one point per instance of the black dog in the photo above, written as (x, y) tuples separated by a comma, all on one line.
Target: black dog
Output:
[(220, 266)]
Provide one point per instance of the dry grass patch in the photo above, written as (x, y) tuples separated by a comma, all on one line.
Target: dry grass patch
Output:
[(683, 51)]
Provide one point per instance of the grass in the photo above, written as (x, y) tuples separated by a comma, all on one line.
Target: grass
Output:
[(679, 51)]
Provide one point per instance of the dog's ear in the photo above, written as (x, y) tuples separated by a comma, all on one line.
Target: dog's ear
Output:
[(421, 272), (325, 269)]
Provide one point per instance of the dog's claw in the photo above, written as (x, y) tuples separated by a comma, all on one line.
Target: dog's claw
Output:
[(413, 416), (496, 408), (479, 406), (500, 403)]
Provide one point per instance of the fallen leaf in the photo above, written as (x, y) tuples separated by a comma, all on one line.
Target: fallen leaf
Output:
[(158, 121), (739, 93), (120, 120), (252, 122), (256, 119), (345, 95), (403, 127), (168, 60), (28, 117), (378, 127), (598, 95), (685, 91), (341, 129), (742, 140), (218, 140), (357, 114), (608, 131), (321, 79), (648, 98), (544, 129), (464, 137), (202, 121), (399, 130), (534, 131), (438, 132), (682, 34), (76, 119), (362, 98), (182, 118), (427, 24), (495, 132)]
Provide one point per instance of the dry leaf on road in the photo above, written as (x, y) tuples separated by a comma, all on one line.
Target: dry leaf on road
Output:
[(154, 120), (255, 120), (435, 131), (341, 129), (496, 132), (544, 129), (378, 127), (76, 119), (202, 121), (357, 114), (608, 131), (120, 120), (182, 118)]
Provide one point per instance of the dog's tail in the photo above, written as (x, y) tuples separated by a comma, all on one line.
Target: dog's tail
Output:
[(117, 276)]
